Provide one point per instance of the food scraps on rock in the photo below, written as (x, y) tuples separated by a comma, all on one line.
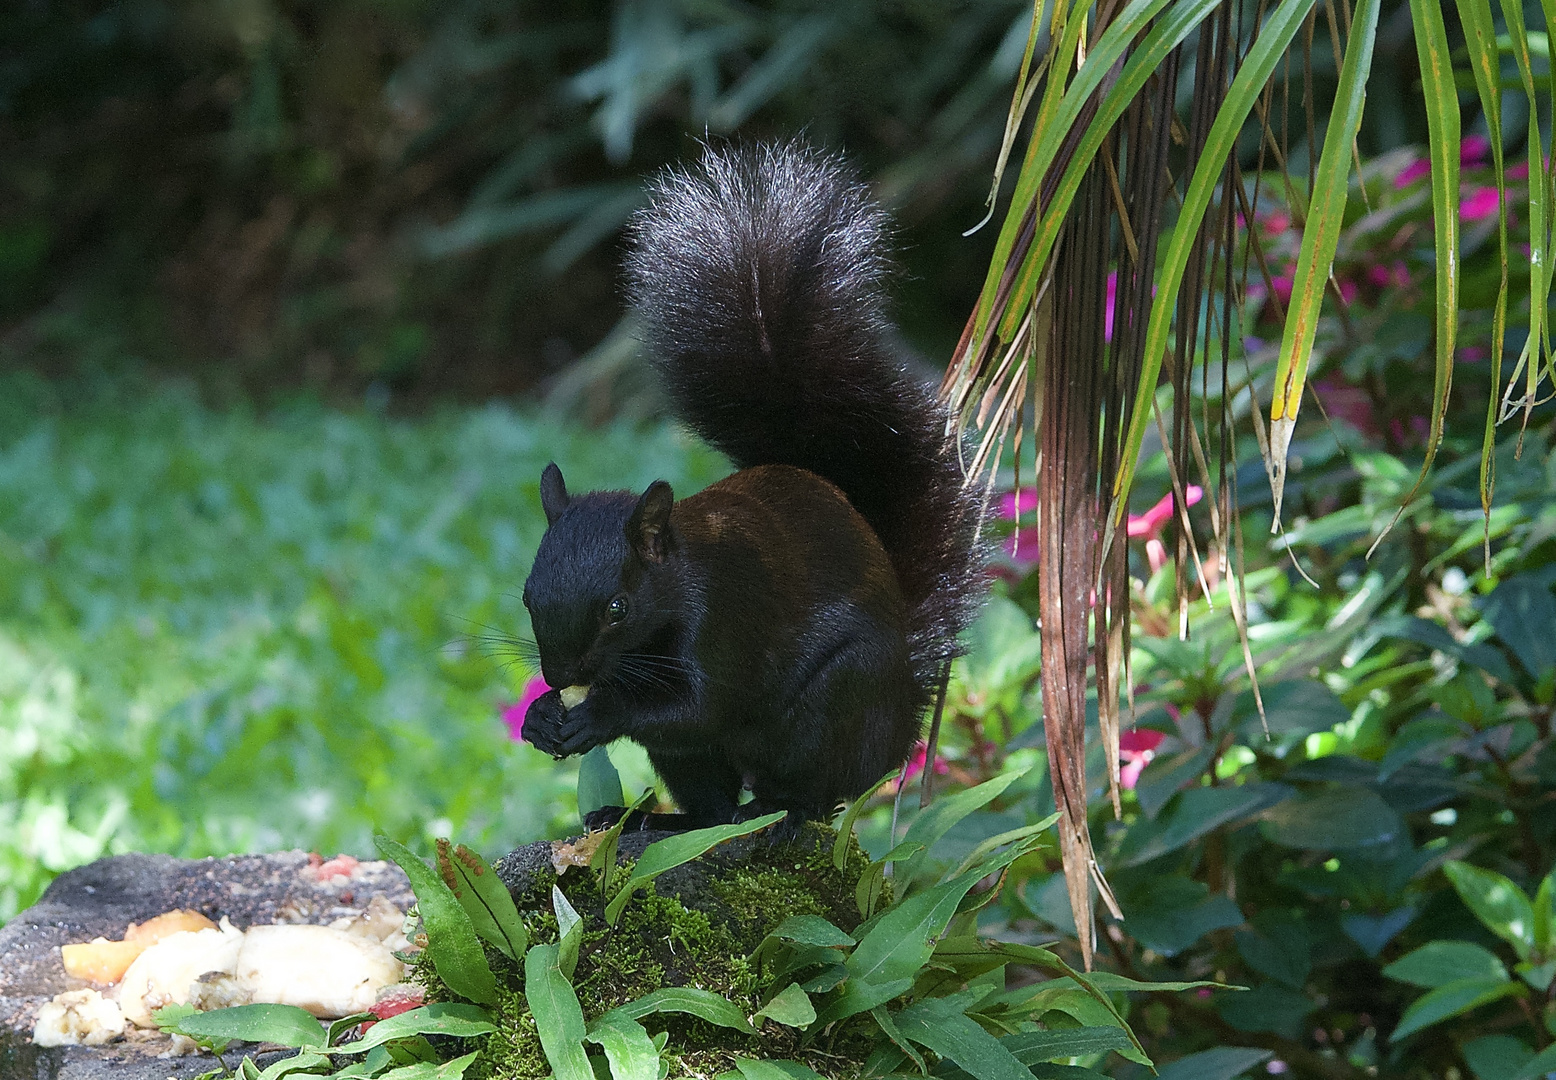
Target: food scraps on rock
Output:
[(183, 958)]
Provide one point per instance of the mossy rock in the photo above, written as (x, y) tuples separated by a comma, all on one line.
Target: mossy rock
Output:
[(694, 926)]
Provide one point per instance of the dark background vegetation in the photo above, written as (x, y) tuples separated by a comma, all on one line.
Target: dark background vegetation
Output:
[(426, 197)]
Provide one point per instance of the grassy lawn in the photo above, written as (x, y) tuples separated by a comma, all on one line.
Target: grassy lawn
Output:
[(225, 631)]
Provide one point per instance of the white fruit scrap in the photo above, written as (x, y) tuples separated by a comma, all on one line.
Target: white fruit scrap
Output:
[(331, 971), (573, 696), (164, 973), (380, 921), (78, 1018), (328, 972)]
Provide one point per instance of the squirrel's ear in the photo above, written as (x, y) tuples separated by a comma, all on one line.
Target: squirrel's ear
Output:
[(553, 493), (648, 529)]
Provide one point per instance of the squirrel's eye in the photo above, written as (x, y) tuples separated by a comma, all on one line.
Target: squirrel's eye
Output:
[(616, 610)]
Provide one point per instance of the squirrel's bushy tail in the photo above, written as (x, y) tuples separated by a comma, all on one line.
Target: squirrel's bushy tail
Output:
[(758, 275)]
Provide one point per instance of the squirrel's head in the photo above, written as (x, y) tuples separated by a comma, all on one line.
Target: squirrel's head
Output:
[(591, 594)]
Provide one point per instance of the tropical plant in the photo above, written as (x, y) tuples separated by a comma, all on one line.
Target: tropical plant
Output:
[(1118, 301), (911, 984)]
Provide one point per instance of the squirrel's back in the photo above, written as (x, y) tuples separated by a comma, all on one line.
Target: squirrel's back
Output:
[(758, 275)]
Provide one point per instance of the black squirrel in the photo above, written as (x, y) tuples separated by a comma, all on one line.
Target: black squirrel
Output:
[(784, 629)]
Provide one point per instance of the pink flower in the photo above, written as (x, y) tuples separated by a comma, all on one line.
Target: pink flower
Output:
[(1348, 290), (1396, 275), (1013, 503), (1349, 403), (513, 715), (1283, 285), (1107, 317), (1150, 523), (1022, 546), (1277, 221), (1481, 202), (1473, 354), (1473, 150), (1519, 171), (916, 762), (1136, 748), (1413, 172)]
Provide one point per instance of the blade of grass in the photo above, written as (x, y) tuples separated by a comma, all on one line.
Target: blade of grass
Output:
[(1258, 66), (1442, 137), (1480, 37), (1143, 63), (1321, 236), (1539, 206)]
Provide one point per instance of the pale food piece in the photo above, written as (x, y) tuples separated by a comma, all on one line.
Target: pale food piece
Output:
[(78, 1018), (104, 961), (330, 973), (573, 696), (164, 973), (101, 960), (167, 924)]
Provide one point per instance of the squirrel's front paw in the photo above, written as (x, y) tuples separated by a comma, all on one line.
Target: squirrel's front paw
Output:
[(559, 731)]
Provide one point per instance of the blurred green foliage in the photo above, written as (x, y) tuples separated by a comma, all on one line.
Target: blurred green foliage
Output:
[(233, 631), (427, 195)]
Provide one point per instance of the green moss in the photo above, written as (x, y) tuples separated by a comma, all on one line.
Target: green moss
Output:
[(662, 941)]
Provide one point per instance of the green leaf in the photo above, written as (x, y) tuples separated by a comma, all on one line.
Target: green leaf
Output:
[(942, 1025), (1026, 832), (1174, 912), (1198, 811), (1496, 902), (570, 928), (286, 1025), (685, 999), (599, 784), (628, 1048), (889, 1028), (1438, 963), (485, 899), (603, 861), (752, 1069), (1544, 914), (1031, 1047), (1512, 608), (451, 937), (1222, 1063), (339, 1028), (869, 889), (811, 930), (305, 1060), (1252, 76), (931, 824), (558, 1017), (1333, 820), (1320, 238), (1451, 1000), (444, 1018), (896, 947), (675, 850), (1268, 1006), (1495, 1057), (1109, 983), (1538, 1066), (845, 830), (791, 1007), (431, 1070)]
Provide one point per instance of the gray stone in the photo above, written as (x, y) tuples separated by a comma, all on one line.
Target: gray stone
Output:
[(101, 899)]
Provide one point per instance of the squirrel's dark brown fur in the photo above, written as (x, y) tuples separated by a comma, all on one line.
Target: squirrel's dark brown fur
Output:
[(783, 629)]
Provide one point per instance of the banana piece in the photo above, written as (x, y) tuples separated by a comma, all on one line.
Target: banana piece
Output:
[(573, 696)]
